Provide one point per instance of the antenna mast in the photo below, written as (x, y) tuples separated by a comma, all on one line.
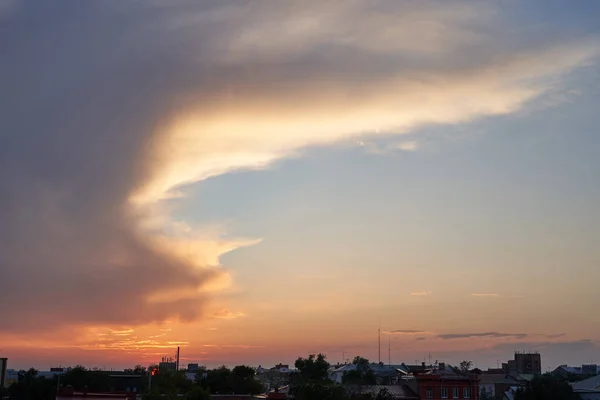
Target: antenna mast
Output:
[(379, 342), (389, 350)]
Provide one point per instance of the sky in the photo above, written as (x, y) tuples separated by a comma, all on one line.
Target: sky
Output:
[(255, 181)]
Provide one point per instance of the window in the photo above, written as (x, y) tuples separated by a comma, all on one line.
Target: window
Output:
[(467, 393), (429, 392), (444, 393), (455, 393)]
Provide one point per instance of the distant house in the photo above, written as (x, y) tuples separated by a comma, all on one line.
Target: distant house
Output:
[(585, 370), (443, 384), (282, 368), (588, 389), (384, 374), (495, 385)]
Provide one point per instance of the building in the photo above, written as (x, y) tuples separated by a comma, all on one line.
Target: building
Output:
[(442, 385), (528, 363), (127, 383), (588, 389), (384, 374), (283, 368), (495, 385), (167, 366)]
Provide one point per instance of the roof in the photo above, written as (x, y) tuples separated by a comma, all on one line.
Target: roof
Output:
[(80, 396), (592, 383), (525, 377), (377, 369), (570, 370), (445, 375), (578, 370), (496, 378), (344, 368), (511, 392), (397, 391)]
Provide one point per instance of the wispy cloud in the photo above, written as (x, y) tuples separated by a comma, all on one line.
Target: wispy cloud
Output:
[(484, 295), (556, 335), (232, 346), (495, 335), (404, 332), (123, 332), (420, 294), (227, 314)]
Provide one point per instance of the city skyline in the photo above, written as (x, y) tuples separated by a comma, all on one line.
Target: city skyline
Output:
[(255, 183)]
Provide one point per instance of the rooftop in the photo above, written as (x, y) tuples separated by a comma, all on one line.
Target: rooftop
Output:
[(586, 385)]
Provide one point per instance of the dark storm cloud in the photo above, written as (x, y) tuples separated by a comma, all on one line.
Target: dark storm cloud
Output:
[(84, 85)]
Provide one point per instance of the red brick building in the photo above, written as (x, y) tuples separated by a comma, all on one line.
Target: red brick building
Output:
[(446, 385)]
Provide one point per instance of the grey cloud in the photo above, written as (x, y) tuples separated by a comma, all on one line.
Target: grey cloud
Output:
[(421, 338), (448, 336)]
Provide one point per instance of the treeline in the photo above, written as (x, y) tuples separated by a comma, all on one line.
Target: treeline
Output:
[(312, 380), (163, 384)]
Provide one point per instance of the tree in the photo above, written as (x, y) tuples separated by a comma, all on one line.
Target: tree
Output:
[(465, 366), (319, 391), (139, 370), (312, 382), (243, 380), (197, 393), (313, 368), (243, 371), (30, 386), (547, 387), (218, 381), (361, 361), (78, 377)]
